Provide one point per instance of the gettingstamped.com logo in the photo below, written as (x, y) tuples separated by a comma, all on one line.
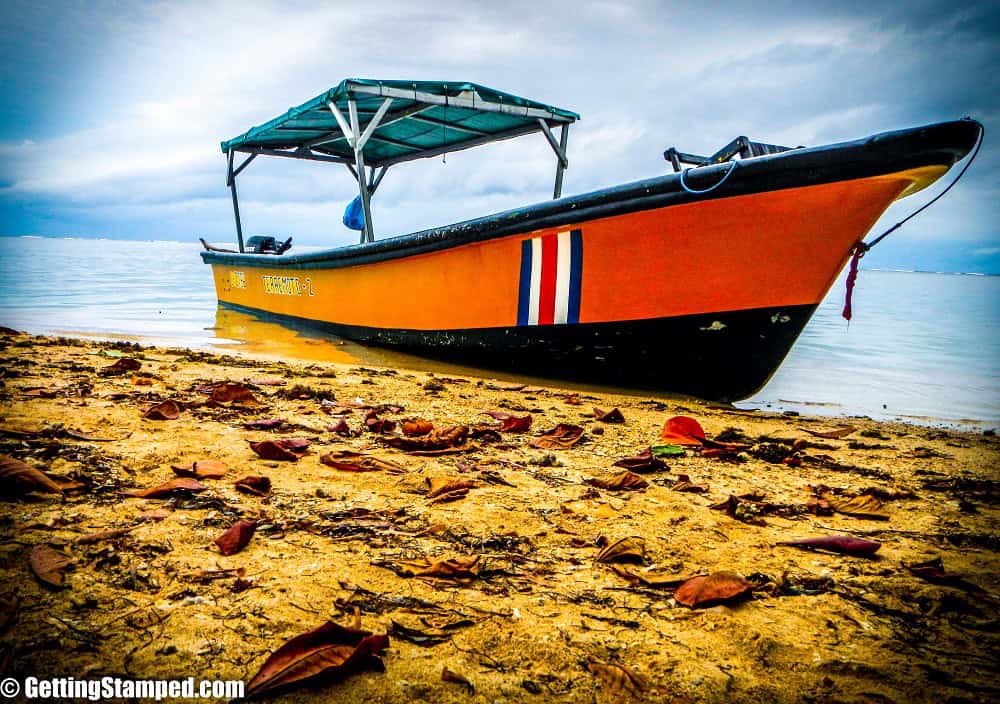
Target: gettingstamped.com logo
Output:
[(68, 688)]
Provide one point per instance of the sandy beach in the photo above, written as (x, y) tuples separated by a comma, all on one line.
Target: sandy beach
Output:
[(514, 543)]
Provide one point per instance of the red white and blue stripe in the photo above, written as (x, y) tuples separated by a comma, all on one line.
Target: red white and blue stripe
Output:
[(551, 269)]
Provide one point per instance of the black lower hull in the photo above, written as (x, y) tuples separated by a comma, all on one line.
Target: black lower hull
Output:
[(719, 356)]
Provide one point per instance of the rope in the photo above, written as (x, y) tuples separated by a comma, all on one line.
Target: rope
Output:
[(692, 191), (852, 276), (925, 206), (861, 248)]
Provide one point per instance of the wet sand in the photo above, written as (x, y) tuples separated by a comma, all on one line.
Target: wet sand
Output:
[(541, 601)]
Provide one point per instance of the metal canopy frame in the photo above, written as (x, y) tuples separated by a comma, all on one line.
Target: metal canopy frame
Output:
[(369, 172)]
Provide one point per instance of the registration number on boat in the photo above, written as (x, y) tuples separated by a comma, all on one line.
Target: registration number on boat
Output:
[(286, 285)]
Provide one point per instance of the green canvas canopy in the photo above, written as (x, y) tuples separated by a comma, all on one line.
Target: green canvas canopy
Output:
[(370, 125), (422, 118)]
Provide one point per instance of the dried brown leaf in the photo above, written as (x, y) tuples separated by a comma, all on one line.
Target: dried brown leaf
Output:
[(630, 549), (49, 565), (328, 650), (862, 506), (561, 437), (618, 679), (165, 410), (182, 484), (360, 462), (255, 484), (456, 678), (416, 427), (716, 587), (612, 416), (103, 535), (649, 578), (202, 469), (626, 481), (233, 393), (461, 569), (684, 483), (18, 479), (444, 485), (451, 438), (123, 365), (284, 450)]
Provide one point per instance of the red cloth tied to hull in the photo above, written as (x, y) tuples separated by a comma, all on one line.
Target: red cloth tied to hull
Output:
[(859, 250)]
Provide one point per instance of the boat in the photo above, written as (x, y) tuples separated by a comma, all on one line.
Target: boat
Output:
[(696, 281)]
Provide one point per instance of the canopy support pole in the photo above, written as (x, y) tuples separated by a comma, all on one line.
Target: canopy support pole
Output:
[(376, 180), (560, 150), (367, 234), (563, 163), (231, 180)]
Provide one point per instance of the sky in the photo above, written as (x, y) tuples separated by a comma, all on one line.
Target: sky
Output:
[(112, 111)]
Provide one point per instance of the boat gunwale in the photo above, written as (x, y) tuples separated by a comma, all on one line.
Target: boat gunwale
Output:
[(877, 155)]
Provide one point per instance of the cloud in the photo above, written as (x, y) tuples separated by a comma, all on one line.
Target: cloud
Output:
[(122, 136)]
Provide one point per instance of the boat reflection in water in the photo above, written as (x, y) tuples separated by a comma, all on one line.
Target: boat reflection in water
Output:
[(243, 333)]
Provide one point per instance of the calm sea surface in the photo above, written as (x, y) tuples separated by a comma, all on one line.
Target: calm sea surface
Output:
[(922, 347)]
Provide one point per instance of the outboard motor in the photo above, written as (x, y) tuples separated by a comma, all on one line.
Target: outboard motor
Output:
[(262, 244)]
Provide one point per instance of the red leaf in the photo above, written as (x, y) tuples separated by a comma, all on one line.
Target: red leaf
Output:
[(844, 544), (285, 450), (643, 462), (255, 484), (327, 650), (682, 430), (49, 565), (18, 478), (516, 424), (716, 587), (177, 485), (378, 425), (167, 410), (341, 428), (561, 437), (236, 538), (264, 424), (511, 423)]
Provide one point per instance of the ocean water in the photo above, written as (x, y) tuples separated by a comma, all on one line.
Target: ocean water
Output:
[(922, 347)]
